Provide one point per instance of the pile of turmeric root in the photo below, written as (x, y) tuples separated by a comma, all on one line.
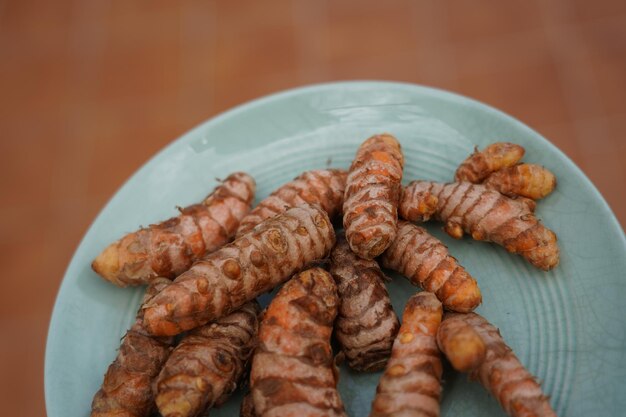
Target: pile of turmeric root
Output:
[(200, 333)]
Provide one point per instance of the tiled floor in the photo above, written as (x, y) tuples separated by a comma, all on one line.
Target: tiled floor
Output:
[(91, 89)]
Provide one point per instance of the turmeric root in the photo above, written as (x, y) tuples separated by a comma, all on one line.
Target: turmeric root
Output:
[(463, 347), (486, 215), (293, 373), (366, 324), (372, 193), (411, 383), (169, 248), (425, 261), (494, 157), (525, 180), (253, 264), (323, 187), (247, 406), (500, 372), (205, 367), (127, 387)]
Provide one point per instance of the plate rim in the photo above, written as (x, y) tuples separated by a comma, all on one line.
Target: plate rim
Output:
[(182, 140)]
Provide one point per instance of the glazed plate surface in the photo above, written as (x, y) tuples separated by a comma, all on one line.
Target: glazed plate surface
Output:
[(567, 326)]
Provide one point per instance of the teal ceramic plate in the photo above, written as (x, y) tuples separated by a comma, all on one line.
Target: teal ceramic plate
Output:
[(567, 326)]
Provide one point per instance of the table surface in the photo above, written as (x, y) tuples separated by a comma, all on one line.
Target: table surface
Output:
[(92, 89)]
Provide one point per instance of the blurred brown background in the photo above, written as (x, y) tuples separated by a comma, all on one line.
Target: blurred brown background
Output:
[(89, 90)]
